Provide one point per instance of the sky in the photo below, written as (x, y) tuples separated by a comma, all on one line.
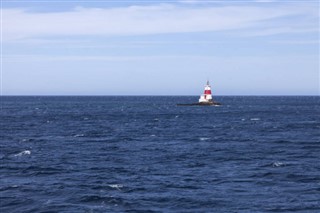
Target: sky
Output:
[(105, 47)]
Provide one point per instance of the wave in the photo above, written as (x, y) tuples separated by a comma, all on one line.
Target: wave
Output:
[(116, 186), (25, 152), (254, 119), (278, 164), (78, 135), (204, 139)]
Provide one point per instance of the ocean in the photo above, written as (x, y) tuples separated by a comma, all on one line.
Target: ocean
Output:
[(145, 154)]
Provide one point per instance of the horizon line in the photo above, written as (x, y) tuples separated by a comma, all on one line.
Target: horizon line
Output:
[(71, 95)]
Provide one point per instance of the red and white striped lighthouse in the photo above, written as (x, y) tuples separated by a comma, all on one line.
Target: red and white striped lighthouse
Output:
[(206, 97)]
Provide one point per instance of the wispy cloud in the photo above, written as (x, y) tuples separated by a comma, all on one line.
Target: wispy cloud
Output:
[(264, 1), (194, 1), (296, 42), (278, 30), (142, 20), (68, 58)]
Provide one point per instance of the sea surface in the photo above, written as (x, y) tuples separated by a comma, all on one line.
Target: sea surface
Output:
[(145, 154)]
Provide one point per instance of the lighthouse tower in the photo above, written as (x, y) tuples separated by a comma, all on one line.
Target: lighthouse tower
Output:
[(206, 97)]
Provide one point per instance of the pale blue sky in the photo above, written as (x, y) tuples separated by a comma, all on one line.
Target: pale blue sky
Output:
[(257, 47)]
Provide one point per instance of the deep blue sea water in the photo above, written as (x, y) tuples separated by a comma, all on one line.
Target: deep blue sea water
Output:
[(145, 154)]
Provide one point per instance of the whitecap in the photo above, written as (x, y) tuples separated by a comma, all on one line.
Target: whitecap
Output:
[(255, 119), (278, 164), (78, 135), (152, 135), (116, 186), (25, 152), (204, 139)]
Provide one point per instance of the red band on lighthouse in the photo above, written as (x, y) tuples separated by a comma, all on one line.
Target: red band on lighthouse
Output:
[(207, 92)]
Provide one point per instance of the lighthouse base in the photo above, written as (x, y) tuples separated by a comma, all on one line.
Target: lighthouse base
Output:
[(201, 104)]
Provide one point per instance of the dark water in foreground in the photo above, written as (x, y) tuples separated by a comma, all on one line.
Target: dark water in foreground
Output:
[(133, 154)]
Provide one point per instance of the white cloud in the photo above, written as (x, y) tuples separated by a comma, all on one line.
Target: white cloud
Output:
[(279, 30), (264, 1), (42, 58), (194, 1), (296, 42), (106, 58), (137, 20)]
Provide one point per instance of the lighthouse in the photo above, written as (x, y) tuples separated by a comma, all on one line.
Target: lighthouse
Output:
[(206, 97)]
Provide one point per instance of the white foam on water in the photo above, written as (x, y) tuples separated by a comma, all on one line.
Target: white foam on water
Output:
[(254, 119), (278, 164), (25, 152), (78, 135), (152, 135), (116, 186), (204, 139)]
